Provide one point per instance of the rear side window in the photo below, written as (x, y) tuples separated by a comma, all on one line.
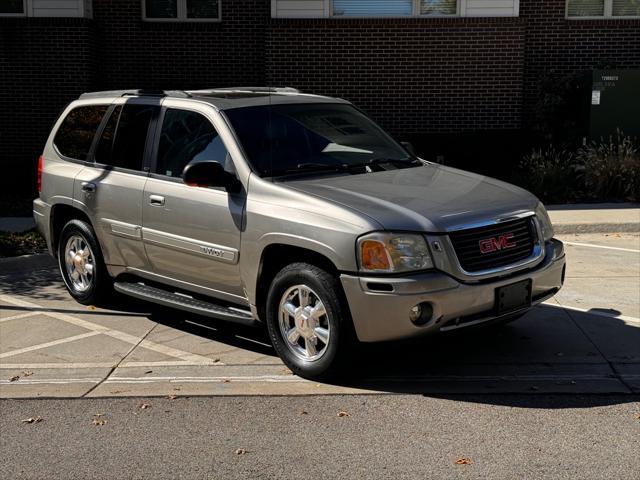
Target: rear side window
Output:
[(124, 137), (188, 137), (75, 135)]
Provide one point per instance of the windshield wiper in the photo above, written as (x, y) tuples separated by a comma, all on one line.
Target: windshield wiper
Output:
[(311, 167), (382, 160)]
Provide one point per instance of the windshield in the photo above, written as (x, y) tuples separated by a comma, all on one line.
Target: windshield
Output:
[(290, 138)]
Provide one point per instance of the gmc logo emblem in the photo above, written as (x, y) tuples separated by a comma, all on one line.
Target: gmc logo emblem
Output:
[(493, 244)]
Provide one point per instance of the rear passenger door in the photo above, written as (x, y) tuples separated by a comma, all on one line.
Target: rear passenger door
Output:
[(192, 234), (111, 189)]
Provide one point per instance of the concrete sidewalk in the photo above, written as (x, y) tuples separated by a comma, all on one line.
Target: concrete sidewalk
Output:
[(595, 218), (567, 219)]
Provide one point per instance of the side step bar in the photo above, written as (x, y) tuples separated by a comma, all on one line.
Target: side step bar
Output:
[(184, 302)]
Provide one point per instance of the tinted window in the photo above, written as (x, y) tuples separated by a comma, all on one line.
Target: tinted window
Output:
[(187, 137), (124, 137), (283, 137), (75, 135)]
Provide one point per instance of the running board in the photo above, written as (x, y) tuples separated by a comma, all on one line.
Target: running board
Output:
[(185, 302)]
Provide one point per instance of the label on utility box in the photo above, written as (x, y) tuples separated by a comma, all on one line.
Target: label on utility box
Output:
[(595, 97)]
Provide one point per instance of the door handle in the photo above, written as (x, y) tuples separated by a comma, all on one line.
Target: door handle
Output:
[(88, 187), (156, 200)]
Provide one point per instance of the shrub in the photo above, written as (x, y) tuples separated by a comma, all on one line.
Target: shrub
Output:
[(611, 168), (550, 173)]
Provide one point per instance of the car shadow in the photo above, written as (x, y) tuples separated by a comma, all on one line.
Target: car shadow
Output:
[(590, 358)]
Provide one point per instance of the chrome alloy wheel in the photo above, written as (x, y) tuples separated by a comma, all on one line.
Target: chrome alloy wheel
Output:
[(304, 324), (79, 261)]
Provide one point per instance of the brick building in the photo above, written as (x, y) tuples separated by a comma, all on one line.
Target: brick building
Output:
[(426, 70)]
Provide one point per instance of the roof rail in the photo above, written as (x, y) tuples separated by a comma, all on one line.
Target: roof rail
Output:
[(249, 89), (136, 93)]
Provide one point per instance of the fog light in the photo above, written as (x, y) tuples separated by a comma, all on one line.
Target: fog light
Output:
[(421, 314)]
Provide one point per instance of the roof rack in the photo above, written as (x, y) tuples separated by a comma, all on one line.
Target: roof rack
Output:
[(248, 89), (137, 93)]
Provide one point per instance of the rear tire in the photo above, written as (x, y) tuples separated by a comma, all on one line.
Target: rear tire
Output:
[(82, 265), (308, 324)]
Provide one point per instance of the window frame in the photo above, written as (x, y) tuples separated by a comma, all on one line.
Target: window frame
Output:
[(181, 14), (606, 15), (17, 15)]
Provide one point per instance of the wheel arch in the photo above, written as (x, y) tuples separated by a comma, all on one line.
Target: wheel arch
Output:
[(61, 213), (275, 257)]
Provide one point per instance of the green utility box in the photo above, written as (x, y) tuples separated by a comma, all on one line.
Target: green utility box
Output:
[(615, 103)]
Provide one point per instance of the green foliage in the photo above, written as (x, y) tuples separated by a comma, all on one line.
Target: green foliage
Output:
[(14, 244), (611, 168), (551, 174), (608, 170)]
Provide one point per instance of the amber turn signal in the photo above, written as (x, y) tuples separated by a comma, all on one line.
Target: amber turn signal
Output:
[(374, 256)]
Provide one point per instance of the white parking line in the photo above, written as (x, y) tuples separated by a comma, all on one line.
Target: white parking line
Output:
[(69, 366), (125, 337), (16, 317), (48, 344), (601, 246)]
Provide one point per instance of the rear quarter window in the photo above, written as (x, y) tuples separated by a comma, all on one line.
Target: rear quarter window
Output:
[(75, 135)]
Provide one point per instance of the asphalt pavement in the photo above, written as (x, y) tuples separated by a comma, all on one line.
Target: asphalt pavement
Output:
[(133, 391)]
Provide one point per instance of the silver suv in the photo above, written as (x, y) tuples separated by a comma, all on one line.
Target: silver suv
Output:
[(269, 206)]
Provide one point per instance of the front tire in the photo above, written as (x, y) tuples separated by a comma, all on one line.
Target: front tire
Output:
[(306, 320), (81, 263)]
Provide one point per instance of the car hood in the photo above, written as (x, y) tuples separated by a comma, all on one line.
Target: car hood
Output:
[(432, 198)]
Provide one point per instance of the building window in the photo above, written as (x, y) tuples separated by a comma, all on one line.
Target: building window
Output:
[(181, 10), (603, 8), (438, 7), (12, 8), (372, 8)]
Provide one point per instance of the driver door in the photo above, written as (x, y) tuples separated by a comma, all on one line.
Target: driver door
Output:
[(192, 234)]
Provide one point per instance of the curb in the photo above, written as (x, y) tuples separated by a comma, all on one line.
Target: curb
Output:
[(34, 261), (571, 228)]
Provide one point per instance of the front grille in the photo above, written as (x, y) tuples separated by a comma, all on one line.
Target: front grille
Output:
[(469, 244)]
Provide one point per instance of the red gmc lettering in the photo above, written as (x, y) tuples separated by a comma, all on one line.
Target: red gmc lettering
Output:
[(489, 245)]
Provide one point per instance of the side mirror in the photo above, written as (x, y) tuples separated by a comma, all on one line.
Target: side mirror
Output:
[(209, 173), (408, 146)]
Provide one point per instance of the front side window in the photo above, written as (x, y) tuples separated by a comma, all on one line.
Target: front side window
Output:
[(181, 10), (123, 140), (282, 139), (187, 137), (75, 135), (603, 8), (12, 7)]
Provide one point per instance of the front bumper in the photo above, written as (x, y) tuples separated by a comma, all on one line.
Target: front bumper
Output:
[(384, 315)]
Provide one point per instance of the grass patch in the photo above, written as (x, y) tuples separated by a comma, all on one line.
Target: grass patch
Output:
[(24, 243)]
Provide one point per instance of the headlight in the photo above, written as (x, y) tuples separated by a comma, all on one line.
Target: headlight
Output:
[(393, 252), (545, 222)]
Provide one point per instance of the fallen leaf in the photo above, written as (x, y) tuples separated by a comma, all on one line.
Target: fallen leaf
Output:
[(32, 420), (172, 397), (27, 373), (637, 416), (303, 412), (99, 422), (463, 461), (148, 372), (144, 406), (98, 414), (177, 389), (216, 360), (226, 380), (115, 392), (91, 307), (343, 414), (241, 451), (14, 378)]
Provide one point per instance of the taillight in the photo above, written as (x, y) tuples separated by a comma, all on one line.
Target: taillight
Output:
[(40, 165)]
